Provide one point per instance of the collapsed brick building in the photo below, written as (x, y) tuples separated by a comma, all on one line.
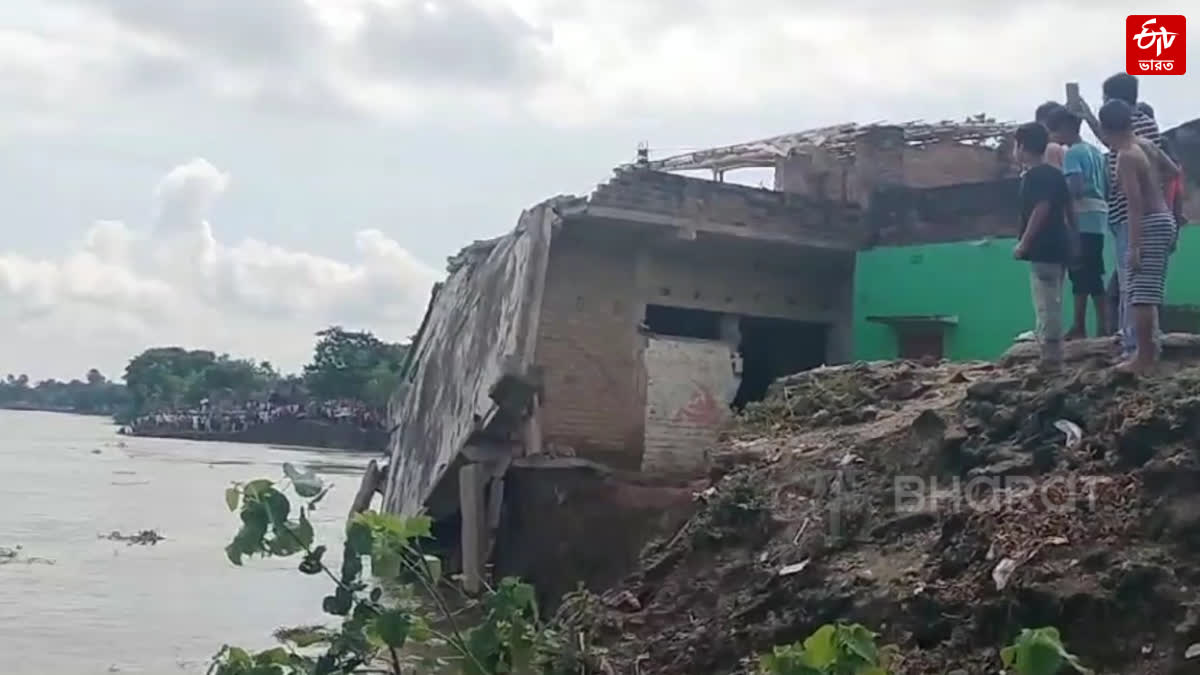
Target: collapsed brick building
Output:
[(613, 332)]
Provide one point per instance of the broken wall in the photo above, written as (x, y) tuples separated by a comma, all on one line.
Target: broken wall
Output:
[(728, 208), (568, 522), (481, 320), (1184, 142), (689, 387), (598, 283)]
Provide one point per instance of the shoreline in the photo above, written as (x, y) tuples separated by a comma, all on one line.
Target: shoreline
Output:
[(21, 407), (308, 433)]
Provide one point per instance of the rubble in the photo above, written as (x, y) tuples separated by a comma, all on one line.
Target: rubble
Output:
[(979, 499)]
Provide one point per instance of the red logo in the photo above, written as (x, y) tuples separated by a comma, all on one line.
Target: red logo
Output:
[(1156, 44)]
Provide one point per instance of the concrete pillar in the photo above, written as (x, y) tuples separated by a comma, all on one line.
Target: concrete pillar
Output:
[(792, 174), (840, 347), (878, 160), (471, 482)]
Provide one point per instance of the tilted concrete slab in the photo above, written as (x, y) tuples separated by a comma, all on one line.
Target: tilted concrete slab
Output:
[(481, 322)]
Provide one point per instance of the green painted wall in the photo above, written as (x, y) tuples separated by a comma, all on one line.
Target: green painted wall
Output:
[(978, 282)]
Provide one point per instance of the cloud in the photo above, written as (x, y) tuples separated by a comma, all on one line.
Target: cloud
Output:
[(587, 62), (453, 43), (262, 33), (176, 283)]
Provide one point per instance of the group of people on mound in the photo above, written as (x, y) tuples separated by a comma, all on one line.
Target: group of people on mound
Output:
[(1072, 194)]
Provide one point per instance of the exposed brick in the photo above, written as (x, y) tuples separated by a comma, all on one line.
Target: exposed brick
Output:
[(589, 345), (757, 209)]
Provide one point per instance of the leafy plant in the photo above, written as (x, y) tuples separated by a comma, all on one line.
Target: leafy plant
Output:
[(400, 623), (834, 649), (1039, 651)]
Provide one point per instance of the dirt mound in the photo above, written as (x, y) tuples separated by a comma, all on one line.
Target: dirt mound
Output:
[(945, 506)]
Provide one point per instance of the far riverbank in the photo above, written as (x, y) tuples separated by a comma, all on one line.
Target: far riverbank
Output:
[(311, 433)]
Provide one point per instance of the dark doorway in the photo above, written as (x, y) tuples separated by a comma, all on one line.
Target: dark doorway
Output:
[(683, 322), (772, 348)]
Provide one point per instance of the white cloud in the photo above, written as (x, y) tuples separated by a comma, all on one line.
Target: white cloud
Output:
[(577, 62), (177, 284)]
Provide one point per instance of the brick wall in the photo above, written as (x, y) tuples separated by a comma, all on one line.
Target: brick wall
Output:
[(728, 204), (589, 347), (949, 163), (937, 165), (597, 286)]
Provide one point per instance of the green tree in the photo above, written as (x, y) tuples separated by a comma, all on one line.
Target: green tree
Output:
[(353, 364)]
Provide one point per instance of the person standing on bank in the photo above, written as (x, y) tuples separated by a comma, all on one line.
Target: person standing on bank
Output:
[(1151, 232), (1047, 240), (1119, 87), (1055, 150), (1085, 171)]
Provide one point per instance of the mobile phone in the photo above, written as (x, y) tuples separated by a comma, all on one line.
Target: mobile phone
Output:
[(1072, 92)]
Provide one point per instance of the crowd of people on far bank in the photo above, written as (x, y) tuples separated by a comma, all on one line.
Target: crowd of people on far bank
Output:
[(1073, 195), (232, 419)]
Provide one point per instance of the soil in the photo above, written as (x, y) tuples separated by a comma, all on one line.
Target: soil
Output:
[(945, 506)]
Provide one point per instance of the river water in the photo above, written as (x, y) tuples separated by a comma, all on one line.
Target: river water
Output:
[(73, 603)]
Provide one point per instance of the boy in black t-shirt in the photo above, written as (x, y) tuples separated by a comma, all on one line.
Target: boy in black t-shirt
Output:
[(1048, 239)]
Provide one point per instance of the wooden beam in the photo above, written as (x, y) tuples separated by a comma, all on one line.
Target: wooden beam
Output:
[(371, 483)]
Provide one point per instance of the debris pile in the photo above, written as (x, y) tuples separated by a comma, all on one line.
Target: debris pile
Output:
[(142, 538), (978, 499)]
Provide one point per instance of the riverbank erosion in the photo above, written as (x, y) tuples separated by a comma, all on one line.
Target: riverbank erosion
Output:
[(311, 433), (944, 505)]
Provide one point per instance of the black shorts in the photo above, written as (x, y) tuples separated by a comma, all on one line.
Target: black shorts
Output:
[(1087, 274)]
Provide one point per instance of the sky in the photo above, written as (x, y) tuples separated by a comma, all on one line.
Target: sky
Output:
[(237, 175)]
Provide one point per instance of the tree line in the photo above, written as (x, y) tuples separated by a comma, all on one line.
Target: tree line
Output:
[(354, 365)]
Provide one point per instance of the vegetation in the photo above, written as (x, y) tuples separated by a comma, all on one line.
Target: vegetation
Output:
[(398, 622), (94, 395), (1039, 651), (357, 365), (346, 365), (173, 377), (832, 650), (851, 650)]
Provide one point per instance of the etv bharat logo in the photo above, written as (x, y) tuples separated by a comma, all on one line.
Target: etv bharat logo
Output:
[(1156, 45)]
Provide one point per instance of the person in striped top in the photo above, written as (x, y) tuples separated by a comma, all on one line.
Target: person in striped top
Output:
[(1174, 187), (1120, 87), (1151, 229)]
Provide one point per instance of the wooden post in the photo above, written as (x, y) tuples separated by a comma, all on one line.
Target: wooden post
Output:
[(371, 483), (474, 525)]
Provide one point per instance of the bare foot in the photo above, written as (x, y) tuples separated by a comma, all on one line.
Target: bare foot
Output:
[(1136, 366)]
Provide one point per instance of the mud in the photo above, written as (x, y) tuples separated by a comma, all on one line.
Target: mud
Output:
[(835, 499)]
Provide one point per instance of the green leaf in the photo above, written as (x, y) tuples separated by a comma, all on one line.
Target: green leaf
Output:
[(1008, 656), (312, 561), (339, 603), (232, 496), (859, 641), (1038, 658), (385, 565), (312, 503), (277, 505), (306, 483), (820, 650), (392, 626), (359, 537), (276, 655), (234, 553), (434, 566), (256, 487)]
